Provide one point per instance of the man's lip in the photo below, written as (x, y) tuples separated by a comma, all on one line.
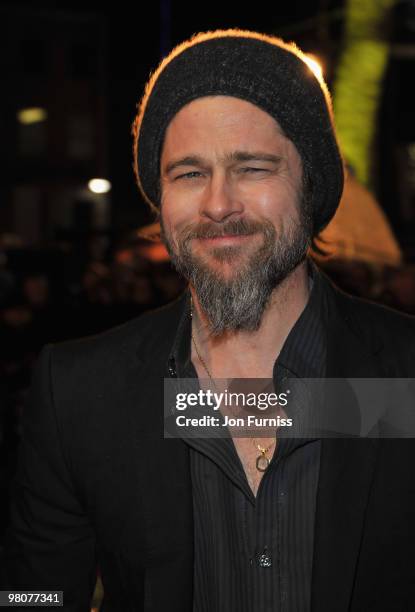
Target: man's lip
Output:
[(228, 239)]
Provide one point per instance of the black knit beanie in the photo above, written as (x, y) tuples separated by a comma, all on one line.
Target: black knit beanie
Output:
[(261, 69)]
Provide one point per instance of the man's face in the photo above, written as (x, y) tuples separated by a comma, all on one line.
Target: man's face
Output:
[(231, 186)]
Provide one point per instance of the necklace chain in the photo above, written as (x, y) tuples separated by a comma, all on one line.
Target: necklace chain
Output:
[(202, 361), (262, 461)]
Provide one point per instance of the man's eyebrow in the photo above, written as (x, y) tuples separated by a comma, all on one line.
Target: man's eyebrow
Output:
[(190, 160), (238, 156), (253, 156)]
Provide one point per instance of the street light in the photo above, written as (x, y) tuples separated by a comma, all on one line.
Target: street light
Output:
[(99, 185)]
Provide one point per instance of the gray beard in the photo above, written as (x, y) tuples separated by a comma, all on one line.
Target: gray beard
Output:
[(239, 302)]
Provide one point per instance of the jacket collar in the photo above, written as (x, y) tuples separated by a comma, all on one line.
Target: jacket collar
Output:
[(344, 329), (352, 349)]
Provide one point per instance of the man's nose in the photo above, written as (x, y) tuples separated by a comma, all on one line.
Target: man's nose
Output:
[(220, 199)]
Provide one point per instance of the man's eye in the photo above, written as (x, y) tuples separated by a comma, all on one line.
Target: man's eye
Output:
[(193, 174), (252, 170)]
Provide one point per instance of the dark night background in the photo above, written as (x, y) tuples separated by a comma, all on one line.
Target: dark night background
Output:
[(106, 53), (71, 262)]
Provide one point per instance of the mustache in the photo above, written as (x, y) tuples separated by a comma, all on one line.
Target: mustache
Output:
[(234, 227)]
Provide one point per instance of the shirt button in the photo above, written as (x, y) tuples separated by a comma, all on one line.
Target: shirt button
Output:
[(264, 559)]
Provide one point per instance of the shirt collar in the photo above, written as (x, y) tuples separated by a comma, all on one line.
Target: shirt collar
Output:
[(304, 351), (303, 354)]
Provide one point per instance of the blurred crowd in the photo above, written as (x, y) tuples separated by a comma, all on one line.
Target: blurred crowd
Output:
[(67, 291)]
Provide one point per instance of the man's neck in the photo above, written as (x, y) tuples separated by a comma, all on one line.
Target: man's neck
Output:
[(251, 354)]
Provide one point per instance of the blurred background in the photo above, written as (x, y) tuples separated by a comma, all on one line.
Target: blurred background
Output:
[(78, 252)]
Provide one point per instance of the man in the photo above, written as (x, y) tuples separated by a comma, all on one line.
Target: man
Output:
[(234, 144)]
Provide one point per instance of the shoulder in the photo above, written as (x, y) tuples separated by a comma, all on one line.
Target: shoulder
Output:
[(383, 319), (378, 327), (100, 379), (122, 343)]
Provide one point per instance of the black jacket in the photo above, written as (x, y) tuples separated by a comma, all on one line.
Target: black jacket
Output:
[(98, 484)]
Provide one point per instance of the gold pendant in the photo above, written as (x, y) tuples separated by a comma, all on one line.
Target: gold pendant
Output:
[(262, 463)]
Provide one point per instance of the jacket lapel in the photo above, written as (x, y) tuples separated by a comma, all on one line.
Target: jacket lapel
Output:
[(163, 542), (346, 471)]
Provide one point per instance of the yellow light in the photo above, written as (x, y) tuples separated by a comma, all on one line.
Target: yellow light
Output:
[(314, 64), (31, 115), (99, 185)]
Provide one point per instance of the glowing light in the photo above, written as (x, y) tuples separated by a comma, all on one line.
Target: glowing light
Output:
[(31, 115), (359, 82), (314, 64), (99, 185)]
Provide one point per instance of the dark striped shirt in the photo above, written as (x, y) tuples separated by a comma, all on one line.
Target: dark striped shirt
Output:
[(255, 554)]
